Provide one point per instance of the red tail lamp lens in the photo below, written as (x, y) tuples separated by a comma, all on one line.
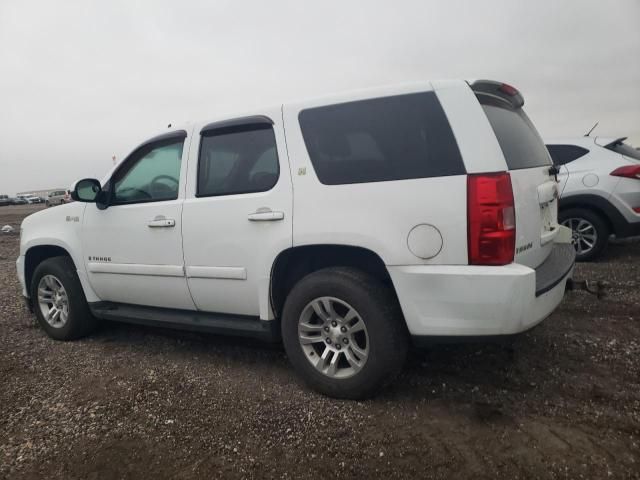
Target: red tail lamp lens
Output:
[(491, 219)]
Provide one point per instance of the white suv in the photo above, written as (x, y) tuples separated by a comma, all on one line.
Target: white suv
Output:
[(600, 190), (346, 227)]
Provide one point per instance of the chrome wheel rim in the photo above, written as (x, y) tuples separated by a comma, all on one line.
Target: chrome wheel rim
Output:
[(333, 337), (584, 234), (53, 301)]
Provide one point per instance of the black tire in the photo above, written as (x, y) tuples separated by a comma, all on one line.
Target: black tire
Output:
[(599, 224), (79, 322), (377, 307)]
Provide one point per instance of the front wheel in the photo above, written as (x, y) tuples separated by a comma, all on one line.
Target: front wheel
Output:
[(590, 232), (344, 333), (58, 300)]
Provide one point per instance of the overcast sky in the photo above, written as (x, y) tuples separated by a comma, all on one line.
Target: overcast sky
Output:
[(82, 81)]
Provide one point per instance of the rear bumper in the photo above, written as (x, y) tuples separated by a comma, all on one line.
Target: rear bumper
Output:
[(628, 229), (481, 301), (555, 268)]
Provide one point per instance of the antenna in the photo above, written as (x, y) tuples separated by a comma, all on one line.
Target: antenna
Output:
[(592, 129)]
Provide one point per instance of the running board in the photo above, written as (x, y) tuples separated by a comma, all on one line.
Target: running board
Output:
[(219, 323)]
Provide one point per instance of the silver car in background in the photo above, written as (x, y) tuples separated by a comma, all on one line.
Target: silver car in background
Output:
[(57, 197)]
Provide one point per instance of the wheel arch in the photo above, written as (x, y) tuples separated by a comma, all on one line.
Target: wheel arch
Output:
[(294, 263), (37, 254), (598, 205)]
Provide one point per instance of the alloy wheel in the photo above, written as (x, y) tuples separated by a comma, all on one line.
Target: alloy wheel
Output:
[(53, 301), (584, 234), (333, 337)]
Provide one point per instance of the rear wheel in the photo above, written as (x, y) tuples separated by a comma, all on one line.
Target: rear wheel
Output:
[(343, 332), (58, 300), (590, 232)]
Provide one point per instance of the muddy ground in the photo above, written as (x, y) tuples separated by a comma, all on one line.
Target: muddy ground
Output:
[(563, 401)]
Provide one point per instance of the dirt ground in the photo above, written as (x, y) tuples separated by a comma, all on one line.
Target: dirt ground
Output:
[(562, 401)]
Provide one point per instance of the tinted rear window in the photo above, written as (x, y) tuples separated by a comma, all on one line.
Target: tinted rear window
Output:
[(377, 140), (624, 149), (563, 154), (520, 143)]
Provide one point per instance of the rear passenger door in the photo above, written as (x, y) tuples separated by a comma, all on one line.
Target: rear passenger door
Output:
[(238, 213)]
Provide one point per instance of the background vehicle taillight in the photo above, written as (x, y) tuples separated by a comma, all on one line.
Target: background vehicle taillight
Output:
[(629, 171), (491, 219)]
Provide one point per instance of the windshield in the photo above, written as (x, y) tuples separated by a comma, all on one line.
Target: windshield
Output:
[(624, 149)]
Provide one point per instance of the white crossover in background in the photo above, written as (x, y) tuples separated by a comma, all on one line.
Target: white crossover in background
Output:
[(600, 190), (347, 227)]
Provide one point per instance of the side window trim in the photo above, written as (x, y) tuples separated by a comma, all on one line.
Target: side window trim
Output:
[(151, 143), (175, 135), (244, 124), (236, 122)]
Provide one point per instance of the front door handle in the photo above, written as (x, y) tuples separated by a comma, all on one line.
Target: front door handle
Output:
[(161, 222), (265, 215)]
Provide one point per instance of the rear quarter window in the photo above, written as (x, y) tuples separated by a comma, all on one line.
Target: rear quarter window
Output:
[(520, 142), (563, 154), (382, 139)]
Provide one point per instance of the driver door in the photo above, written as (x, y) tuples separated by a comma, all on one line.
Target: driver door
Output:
[(133, 248)]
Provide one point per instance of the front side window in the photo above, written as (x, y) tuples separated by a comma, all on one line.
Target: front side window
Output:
[(236, 160), (381, 139), (151, 174)]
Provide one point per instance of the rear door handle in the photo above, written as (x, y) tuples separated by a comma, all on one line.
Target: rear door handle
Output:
[(161, 222), (265, 215)]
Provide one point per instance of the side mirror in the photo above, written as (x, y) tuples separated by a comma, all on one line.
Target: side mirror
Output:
[(86, 190)]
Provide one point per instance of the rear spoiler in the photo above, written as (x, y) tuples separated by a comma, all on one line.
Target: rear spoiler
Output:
[(617, 141), (499, 90)]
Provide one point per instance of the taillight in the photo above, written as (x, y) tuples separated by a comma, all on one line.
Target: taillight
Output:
[(491, 219), (629, 171)]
